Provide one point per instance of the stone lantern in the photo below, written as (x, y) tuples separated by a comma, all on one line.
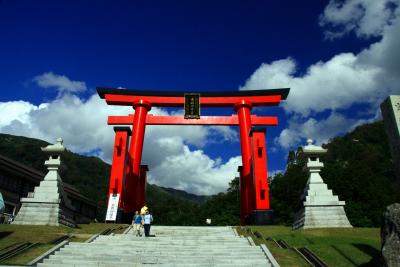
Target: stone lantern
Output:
[(321, 209), (48, 204), (314, 166)]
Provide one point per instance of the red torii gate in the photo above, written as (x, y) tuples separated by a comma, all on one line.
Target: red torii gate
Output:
[(128, 177)]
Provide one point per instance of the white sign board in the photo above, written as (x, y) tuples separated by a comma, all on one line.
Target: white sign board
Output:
[(112, 207)]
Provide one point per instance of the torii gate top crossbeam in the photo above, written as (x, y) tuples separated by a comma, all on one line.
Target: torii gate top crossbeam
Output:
[(126, 97)]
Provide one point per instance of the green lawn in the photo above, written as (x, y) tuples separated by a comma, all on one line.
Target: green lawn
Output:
[(12, 234), (336, 246)]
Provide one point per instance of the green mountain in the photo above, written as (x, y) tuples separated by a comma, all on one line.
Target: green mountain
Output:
[(358, 168), (185, 195)]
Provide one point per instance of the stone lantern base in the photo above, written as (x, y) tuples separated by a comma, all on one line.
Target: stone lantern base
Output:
[(321, 217), (47, 205), (321, 208), (41, 213)]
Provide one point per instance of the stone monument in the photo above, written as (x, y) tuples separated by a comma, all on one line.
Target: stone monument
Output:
[(391, 117), (48, 204), (390, 236), (321, 208)]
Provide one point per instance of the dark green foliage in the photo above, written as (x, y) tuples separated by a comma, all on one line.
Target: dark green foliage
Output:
[(358, 168), (223, 208), (286, 188), (185, 195), (24, 150), (170, 210)]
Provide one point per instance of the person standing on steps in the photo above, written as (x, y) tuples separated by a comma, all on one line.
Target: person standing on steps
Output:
[(137, 222), (147, 219)]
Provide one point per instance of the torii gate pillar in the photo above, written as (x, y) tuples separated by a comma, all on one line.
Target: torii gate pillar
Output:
[(118, 169), (243, 109), (133, 172), (261, 213)]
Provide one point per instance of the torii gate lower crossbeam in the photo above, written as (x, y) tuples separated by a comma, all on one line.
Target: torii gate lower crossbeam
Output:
[(205, 120), (253, 172)]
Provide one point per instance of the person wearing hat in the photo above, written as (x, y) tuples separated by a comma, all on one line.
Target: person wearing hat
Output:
[(144, 210)]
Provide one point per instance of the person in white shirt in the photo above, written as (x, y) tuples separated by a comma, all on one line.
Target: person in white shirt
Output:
[(147, 219)]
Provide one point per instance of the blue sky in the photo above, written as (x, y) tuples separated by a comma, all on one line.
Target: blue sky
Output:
[(340, 59)]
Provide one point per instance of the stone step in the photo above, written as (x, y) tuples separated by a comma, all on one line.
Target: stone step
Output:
[(166, 248), (245, 252), (152, 240), (188, 233), (161, 242), (166, 239), (176, 237), (172, 242), (160, 256), (119, 262), (159, 265), (161, 250), (240, 243)]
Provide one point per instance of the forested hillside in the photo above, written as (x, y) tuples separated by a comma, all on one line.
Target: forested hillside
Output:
[(358, 168)]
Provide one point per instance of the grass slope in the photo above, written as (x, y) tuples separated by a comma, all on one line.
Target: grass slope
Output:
[(12, 234), (335, 246)]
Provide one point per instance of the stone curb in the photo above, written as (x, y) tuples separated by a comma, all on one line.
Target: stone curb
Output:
[(269, 256), (234, 231), (93, 237), (127, 230), (48, 253), (251, 241)]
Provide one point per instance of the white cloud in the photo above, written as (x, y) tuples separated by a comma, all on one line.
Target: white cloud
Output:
[(300, 129), (337, 83), (83, 126), (367, 18), (60, 82), (385, 54), (194, 170), (16, 111), (342, 81), (318, 130)]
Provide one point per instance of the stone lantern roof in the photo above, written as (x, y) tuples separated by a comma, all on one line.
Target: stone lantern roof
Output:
[(313, 152), (56, 148), (311, 149)]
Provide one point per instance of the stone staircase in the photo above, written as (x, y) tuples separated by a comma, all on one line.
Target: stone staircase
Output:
[(171, 246)]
